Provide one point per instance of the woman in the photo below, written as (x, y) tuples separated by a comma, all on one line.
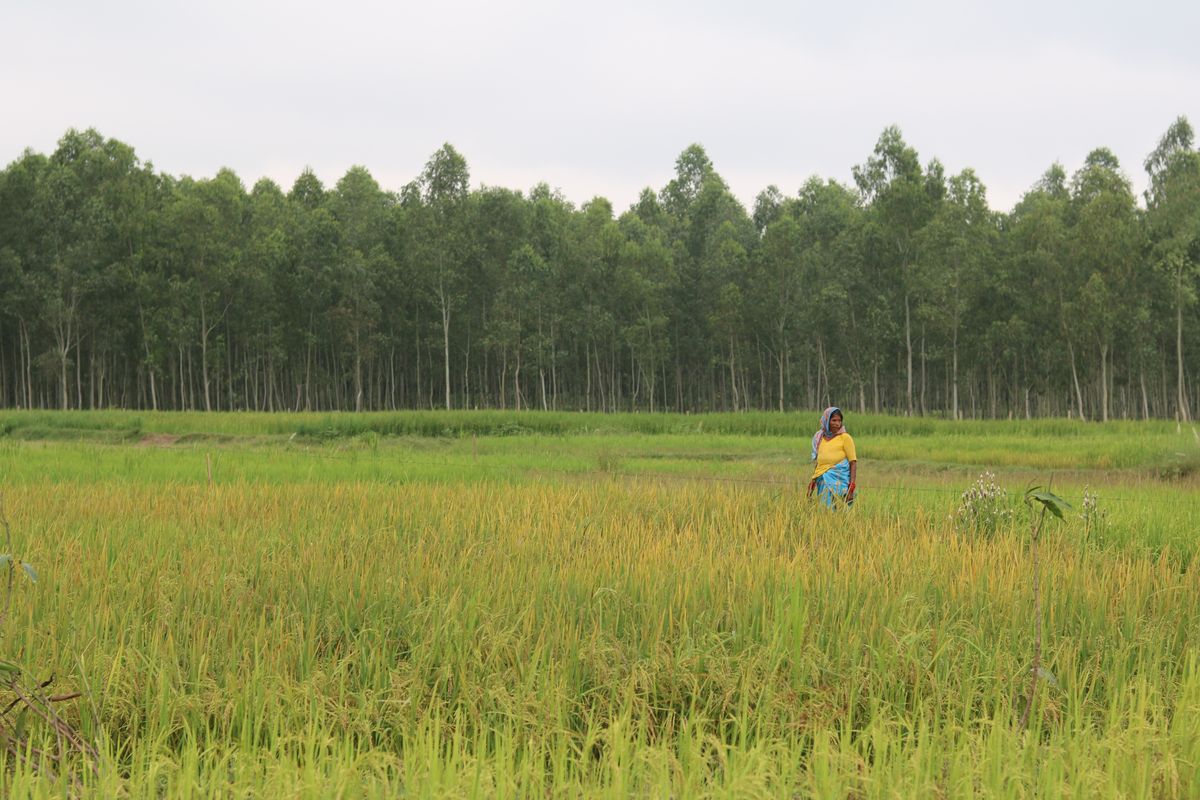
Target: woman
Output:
[(836, 461)]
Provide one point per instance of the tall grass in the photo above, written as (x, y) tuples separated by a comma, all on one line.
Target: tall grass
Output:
[(36, 424), (593, 638)]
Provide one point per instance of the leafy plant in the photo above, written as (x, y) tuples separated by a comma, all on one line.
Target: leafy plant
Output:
[(1035, 496)]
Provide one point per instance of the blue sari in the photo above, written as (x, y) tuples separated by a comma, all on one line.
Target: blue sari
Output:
[(833, 484)]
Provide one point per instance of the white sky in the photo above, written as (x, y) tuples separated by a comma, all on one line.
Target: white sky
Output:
[(600, 98)]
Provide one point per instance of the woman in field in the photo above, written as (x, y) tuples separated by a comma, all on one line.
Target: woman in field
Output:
[(836, 461)]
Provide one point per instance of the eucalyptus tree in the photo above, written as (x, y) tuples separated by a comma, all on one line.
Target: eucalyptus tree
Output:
[(550, 217), (519, 320), (645, 276), (1173, 216), (829, 220), (589, 280), (84, 196), (22, 259), (957, 247), (165, 301), (776, 293), (705, 222), (266, 292), (727, 313), (1037, 239), (499, 229), (135, 290), (311, 271), (205, 224), (1106, 246), (901, 198), (441, 241), (362, 212)]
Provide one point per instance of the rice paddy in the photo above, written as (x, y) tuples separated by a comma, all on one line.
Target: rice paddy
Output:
[(486, 605)]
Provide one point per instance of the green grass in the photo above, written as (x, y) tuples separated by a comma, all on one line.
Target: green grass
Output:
[(598, 610), (1042, 444), (501, 423)]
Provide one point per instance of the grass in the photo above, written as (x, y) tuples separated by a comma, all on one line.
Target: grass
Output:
[(598, 613)]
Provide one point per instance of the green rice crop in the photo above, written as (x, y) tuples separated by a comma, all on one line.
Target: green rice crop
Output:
[(598, 613)]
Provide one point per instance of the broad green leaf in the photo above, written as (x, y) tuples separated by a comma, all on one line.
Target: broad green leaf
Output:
[(1055, 504), (30, 572)]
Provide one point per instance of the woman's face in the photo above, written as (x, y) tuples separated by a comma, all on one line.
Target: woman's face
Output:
[(835, 423)]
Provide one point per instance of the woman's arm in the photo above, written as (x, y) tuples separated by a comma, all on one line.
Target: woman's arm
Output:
[(853, 480)]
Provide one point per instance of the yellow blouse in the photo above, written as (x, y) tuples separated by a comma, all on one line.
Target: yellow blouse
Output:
[(833, 451)]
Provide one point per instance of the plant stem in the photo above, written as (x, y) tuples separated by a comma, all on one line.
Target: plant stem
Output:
[(1037, 618)]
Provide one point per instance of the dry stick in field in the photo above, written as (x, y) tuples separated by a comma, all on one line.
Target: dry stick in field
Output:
[(1035, 531), (1055, 504), (11, 569), (70, 744)]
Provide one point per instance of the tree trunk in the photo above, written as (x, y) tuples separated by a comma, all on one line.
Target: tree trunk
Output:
[(733, 375), (909, 351), (1104, 383), (779, 358), (358, 374), (1145, 396), (1182, 413), (191, 382), (78, 372), (875, 383), (553, 369), (954, 372), (923, 375), (1075, 379), (600, 382), (62, 337), (446, 343), (417, 341), (517, 379), (204, 353)]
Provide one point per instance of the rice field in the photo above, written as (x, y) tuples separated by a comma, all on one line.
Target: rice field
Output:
[(490, 605)]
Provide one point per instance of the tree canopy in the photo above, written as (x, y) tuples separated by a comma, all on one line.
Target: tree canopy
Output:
[(121, 286)]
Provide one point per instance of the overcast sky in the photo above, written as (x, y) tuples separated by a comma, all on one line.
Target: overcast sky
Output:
[(600, 98)]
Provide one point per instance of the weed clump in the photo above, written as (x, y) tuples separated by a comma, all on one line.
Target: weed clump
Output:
[(984, 506), (608, 461), (1093, 517), (1181, 466)]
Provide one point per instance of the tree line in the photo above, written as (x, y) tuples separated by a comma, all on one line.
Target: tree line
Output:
[(121, 286)]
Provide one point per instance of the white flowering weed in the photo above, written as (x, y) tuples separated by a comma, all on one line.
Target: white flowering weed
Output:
[(984, 506), (1090, 512)]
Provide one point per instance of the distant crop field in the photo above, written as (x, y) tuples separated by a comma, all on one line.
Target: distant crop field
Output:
[(497, 605)]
